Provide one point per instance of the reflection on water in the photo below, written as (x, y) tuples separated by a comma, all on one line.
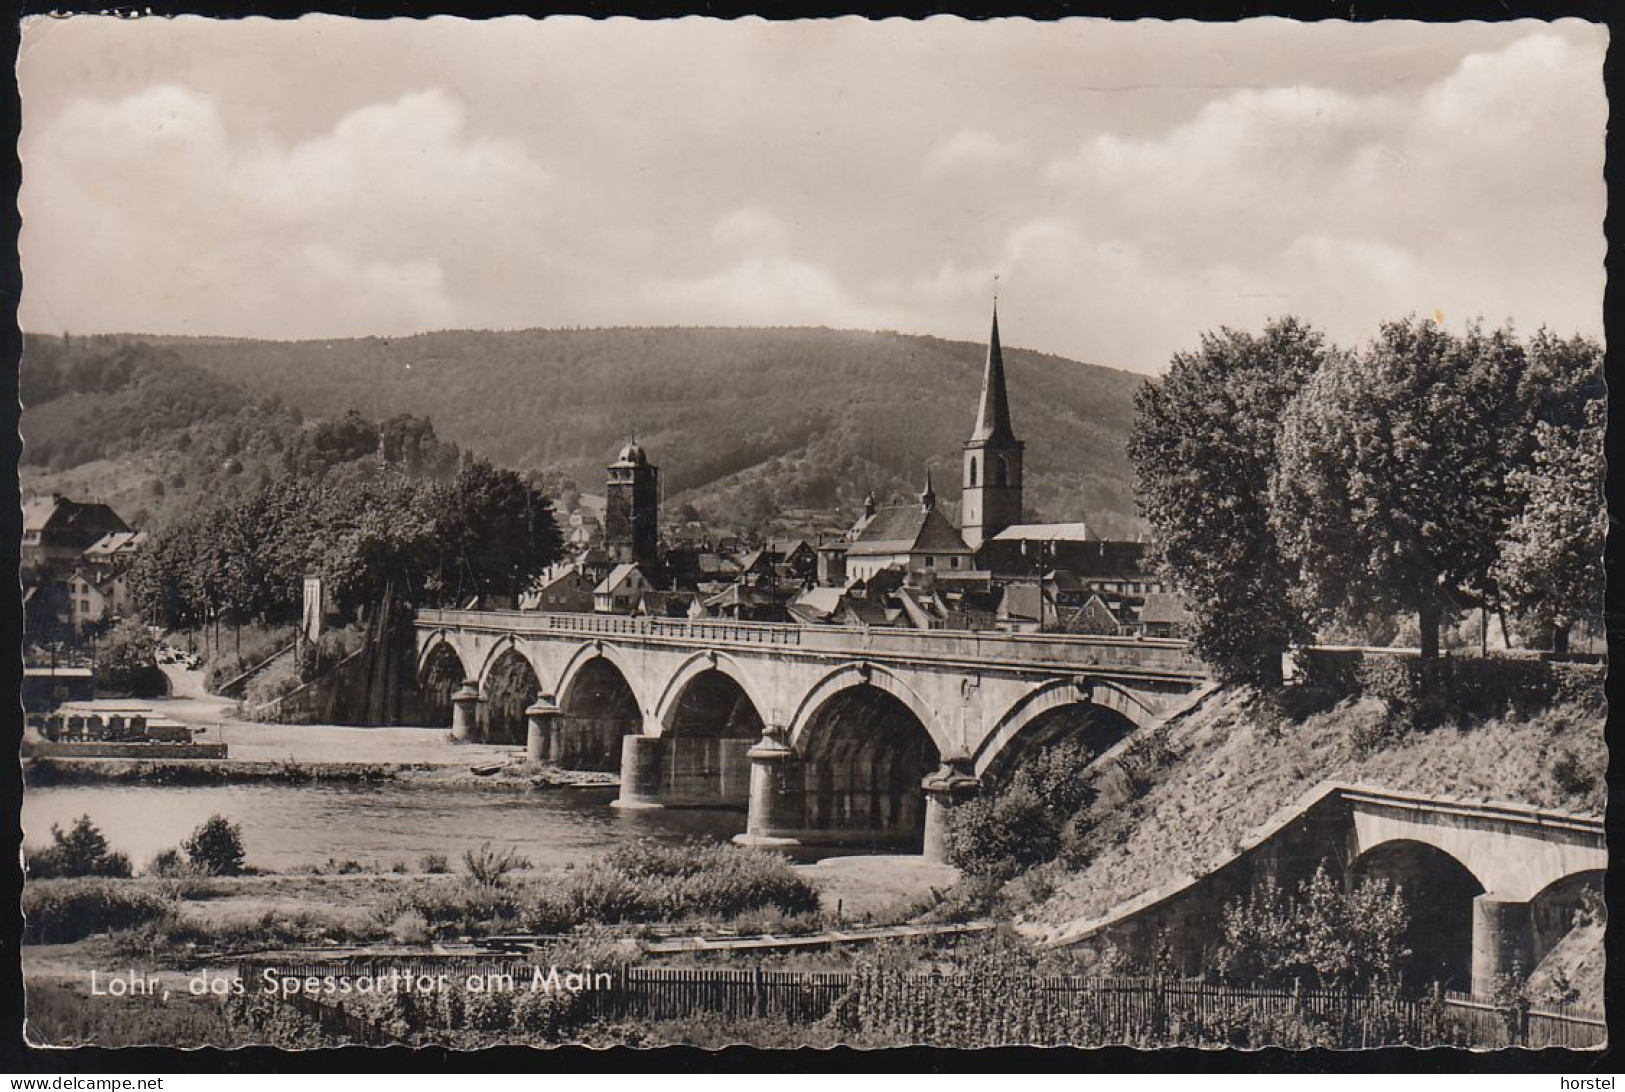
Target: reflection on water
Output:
[(285, 826)]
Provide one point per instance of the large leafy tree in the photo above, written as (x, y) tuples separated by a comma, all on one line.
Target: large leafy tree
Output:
[(493, 533), (1391, 493), (1203, 447), (1551, 564)]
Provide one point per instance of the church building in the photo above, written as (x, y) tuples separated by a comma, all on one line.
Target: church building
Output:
[(992, 543)]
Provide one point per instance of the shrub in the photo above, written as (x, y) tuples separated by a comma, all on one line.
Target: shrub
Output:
[(61, 911), (178, 878), (127, 663), (409, 927), (80, 851), (1000, 835), (1020, 825), (434, 863), (1571, 774), (276, 681), (643, 882), (321, 656), (216, 847), (459, 910), (222, 669), (1319, 934), (489, 867)]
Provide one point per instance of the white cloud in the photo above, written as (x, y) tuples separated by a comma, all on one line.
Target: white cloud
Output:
[(976, 149), (347, 232), (330, 177), (761, 291), (752, 229)]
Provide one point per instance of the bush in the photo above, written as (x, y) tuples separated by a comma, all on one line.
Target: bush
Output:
[(61, 911), (321, 656), (274, 682), (1020, 825), (1571, 774), (1319, 935), (643, 882), (81, 851), (222, 669), (127, 662), (216, 847), (489, 867), (434, 863), (178, 878)]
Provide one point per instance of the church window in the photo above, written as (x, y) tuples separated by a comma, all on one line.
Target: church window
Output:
[(972, 480), (1003, 477)]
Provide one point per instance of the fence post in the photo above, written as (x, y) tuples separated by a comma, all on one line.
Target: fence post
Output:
[(756, 998)]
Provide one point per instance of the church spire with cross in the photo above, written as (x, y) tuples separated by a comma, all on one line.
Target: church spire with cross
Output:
[(990, 496)]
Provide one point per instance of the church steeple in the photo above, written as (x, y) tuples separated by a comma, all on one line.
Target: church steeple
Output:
[(993, 413), (928, 499), (990, 494)]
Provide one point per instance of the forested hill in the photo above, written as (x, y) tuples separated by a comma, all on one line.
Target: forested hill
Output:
[(742, 421)]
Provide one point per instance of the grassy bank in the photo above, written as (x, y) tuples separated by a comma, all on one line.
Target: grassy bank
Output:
[(57, 1015), (1224, 771), (48, 772), (518, 776)]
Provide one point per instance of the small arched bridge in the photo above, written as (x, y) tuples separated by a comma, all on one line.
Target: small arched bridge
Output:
[(825, 734), (1490, 888)]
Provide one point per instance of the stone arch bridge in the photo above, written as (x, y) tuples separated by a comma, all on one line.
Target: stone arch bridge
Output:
[(1490, 888), (826, 735)]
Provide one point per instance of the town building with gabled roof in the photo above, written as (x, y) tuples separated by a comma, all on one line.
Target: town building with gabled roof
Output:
[(915, 538)]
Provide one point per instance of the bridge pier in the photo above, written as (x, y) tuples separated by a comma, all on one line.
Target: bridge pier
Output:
[(777, 808), (542, 742), (465, 713), (1503, 941), (950, 786), (642, 771)]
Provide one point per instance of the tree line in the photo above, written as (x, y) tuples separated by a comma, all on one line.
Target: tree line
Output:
[(363, 527), (1295, 486)]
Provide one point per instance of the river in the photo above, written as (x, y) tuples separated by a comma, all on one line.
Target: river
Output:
[(289, 826)]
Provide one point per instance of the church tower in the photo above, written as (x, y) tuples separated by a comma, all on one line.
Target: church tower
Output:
[(990, 499), (632, 509)]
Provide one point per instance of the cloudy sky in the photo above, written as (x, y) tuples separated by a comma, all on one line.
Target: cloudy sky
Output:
[(1131, 184)]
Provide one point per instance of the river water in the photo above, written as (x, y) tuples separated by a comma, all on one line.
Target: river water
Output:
[(288, 826)]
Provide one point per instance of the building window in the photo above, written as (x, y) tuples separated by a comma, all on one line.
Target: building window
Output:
[(1003, 471), (972, 479), (953, 563), (930, 562)]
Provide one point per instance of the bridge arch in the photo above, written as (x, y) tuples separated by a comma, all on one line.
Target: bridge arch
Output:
[(700, 670), (853, 675), (1057, 708), (1438, 889), (600, 705), (510, 684), (437, 642), (508, 646), (866, 741), (1557, 908), (582, 658), (440, 672)]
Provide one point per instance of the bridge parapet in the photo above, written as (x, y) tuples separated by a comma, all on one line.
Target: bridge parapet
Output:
[(1041, 651)]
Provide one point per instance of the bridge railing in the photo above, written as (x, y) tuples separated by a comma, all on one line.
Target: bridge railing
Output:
[(1049, 650)]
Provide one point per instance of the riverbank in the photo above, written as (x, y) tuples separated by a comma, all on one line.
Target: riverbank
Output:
[(43, 772)]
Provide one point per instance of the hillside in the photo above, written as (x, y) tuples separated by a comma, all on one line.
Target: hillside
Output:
[(740, 420), (1227, 768), (126, 422)]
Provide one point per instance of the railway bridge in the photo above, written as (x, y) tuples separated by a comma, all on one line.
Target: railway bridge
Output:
[(824, 735)]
